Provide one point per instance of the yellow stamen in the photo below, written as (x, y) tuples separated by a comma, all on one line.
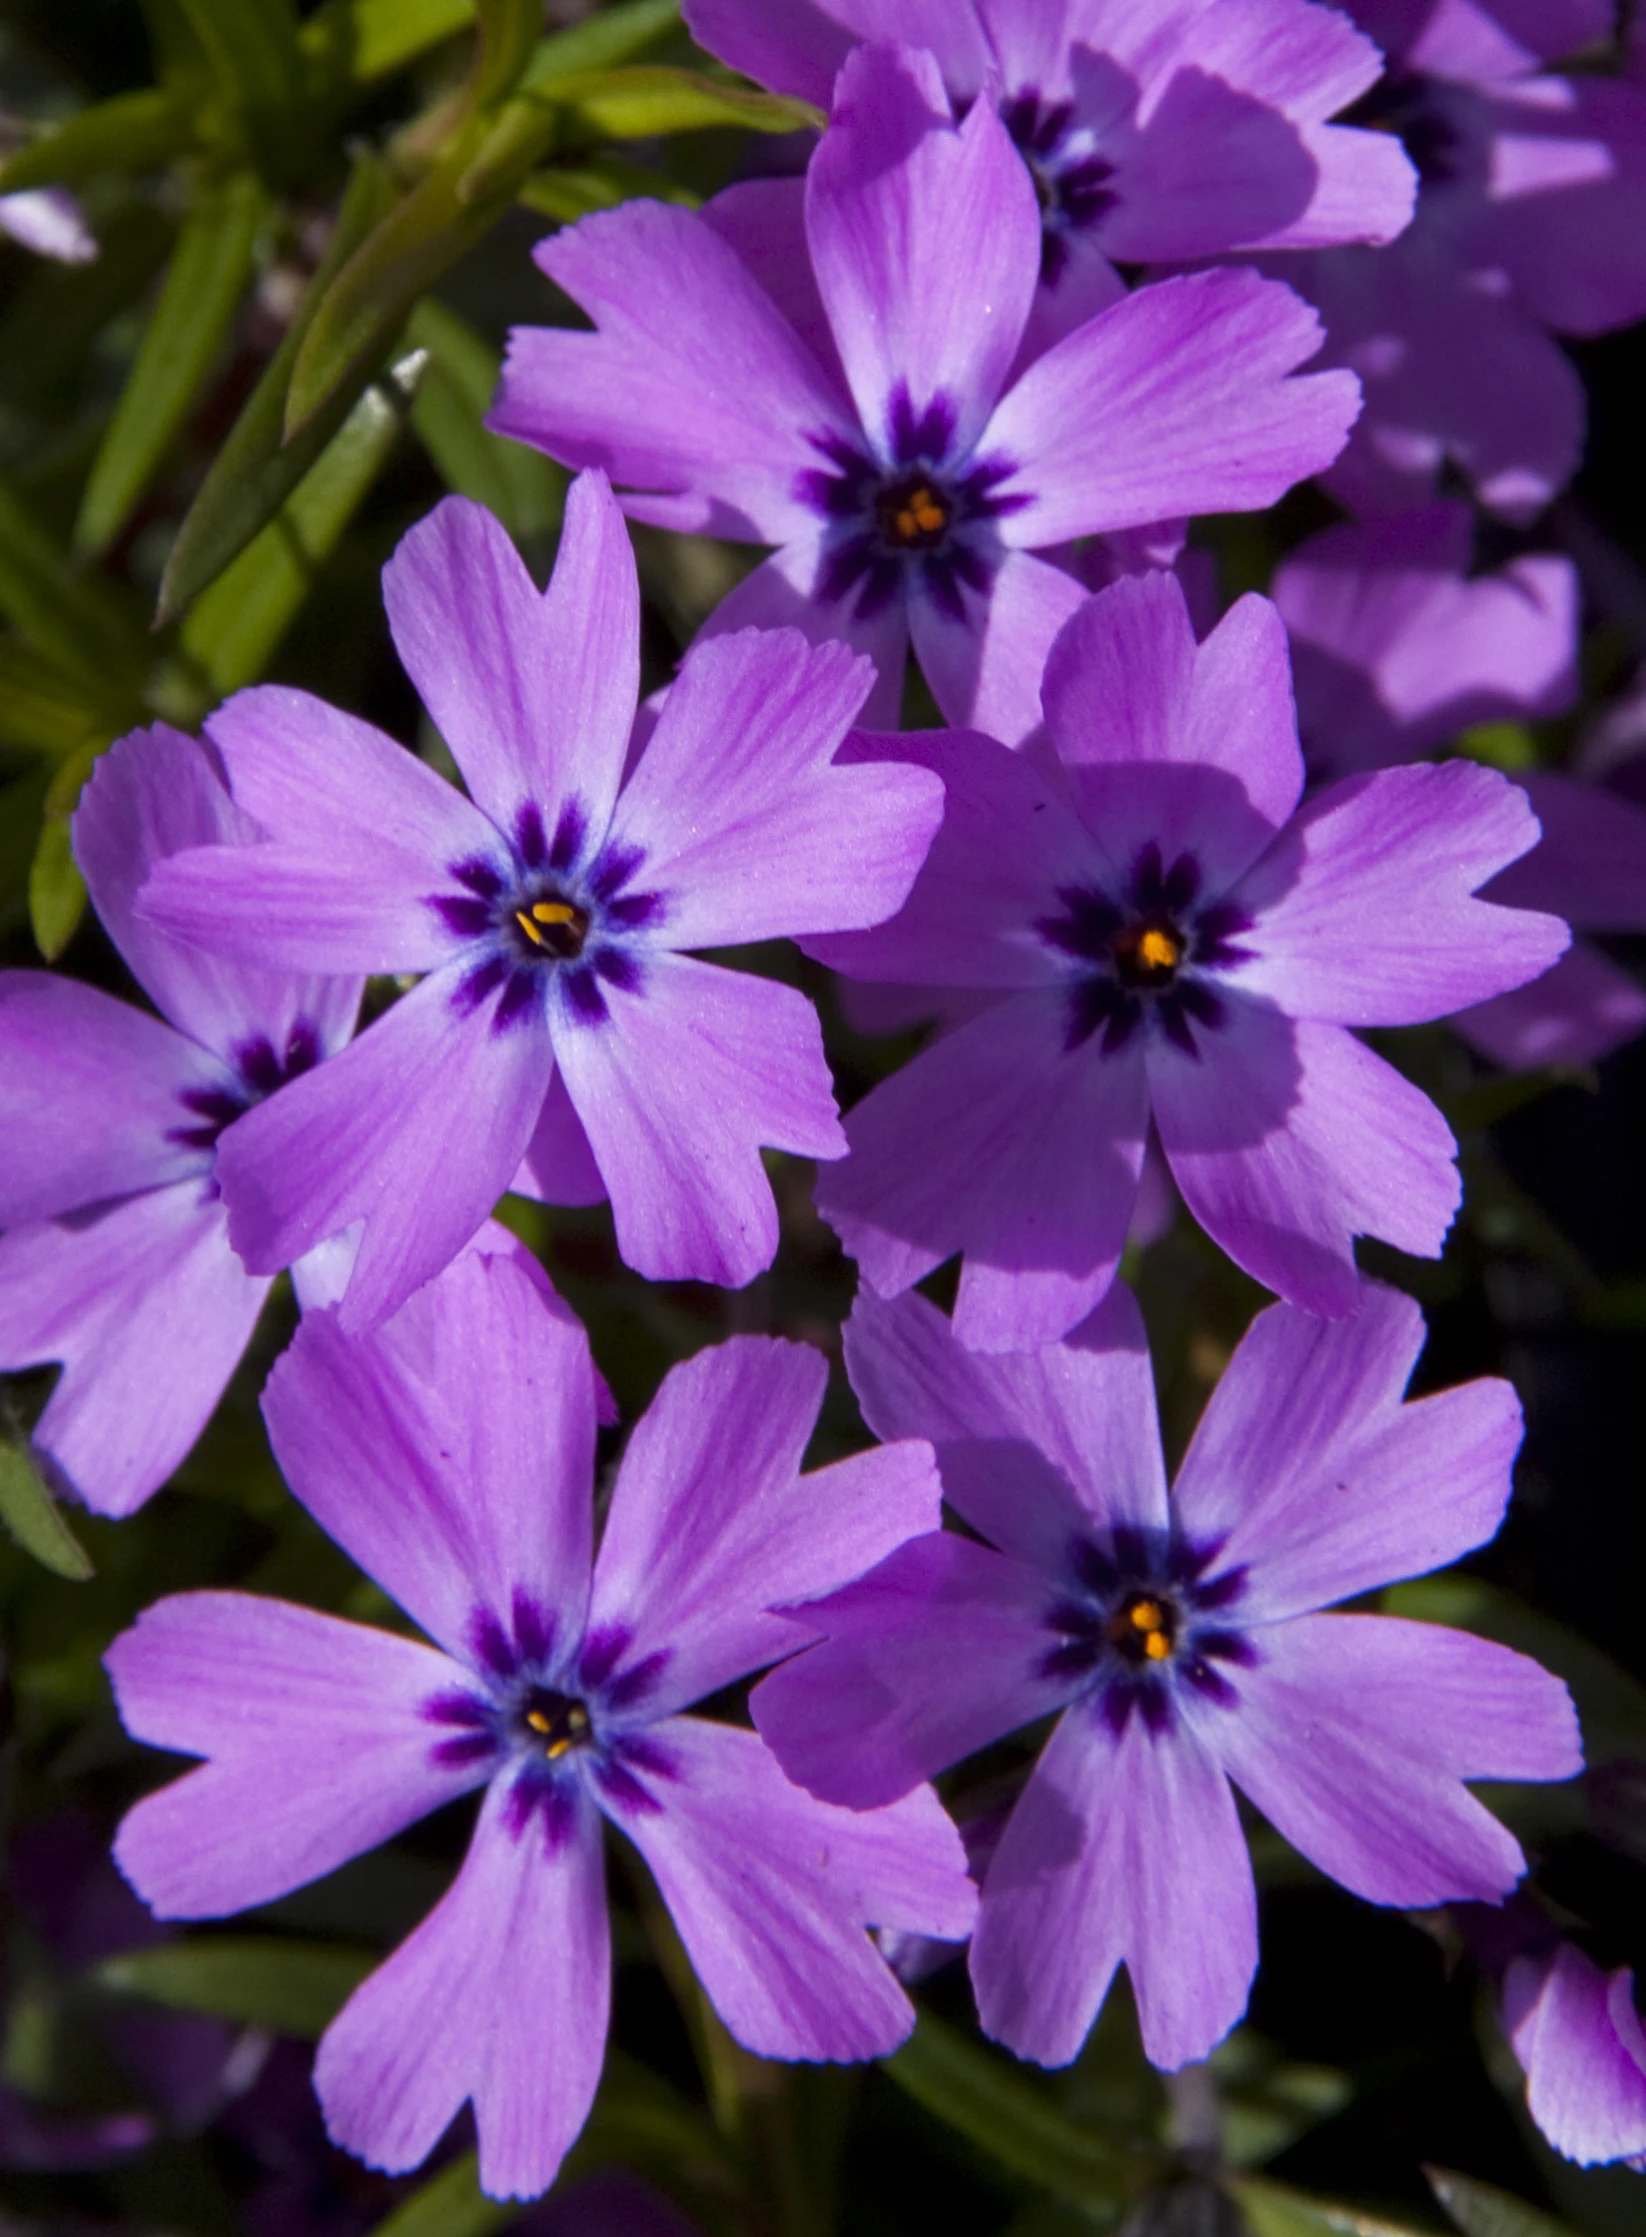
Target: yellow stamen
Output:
[(553, 912), (530, 930), (924, 514), (1157, 950), (1157, 1646), (538, 1721), (1146, 1615)]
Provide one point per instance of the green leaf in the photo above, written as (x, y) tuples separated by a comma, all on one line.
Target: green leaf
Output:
[(43, 709), (55, 315), (1480, 2210), (510, 31), (523, 488), (57, 892), (203, 285), (255, 57), (651, 100), (1273, 2211), (1501, 745), (22, 809), (254, 473), (73, 618), (131, 132), (31, 1516), (450, 2204), (567, 192), (600, 41), (360, 40), (1001, 2112), (255, 1980), (232, 630)]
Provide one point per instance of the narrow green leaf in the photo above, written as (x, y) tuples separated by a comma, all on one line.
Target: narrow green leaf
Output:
[(254, 55), (1002, 2113), (57, 892), (1481, 2210), (523, 488), (652, 99), (450, 2204), (72, 617), (291, 1988), (43, 709), (359, 40), (203, 284), (131, 132), (510, 31), (254, 473), (22, 809), (232, 630), (1271, 2210), (601, 41), (31, 1516), (567, 192)]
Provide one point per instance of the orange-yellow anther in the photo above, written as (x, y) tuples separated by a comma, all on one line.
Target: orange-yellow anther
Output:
[(1157, 1646), (1147, 1616), (530, 930), (538, 1721), (553, 912), (923, 514), (1158, 951)]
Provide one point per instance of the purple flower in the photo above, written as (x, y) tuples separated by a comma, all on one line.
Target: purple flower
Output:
[(1397, 646), (51, 223), (1175, 1637), (451, 1454), (1531, 223), (1164, 932), (116, 1258), (559, 1022), (839, 367), (1151, 136), (1578, 2038)]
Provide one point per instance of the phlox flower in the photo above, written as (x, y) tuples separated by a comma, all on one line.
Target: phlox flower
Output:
[(1151, 135), (1174, 1636), (843, 367), (1149, 926), (1579, 2040), (560, 1040), (51, 222), (116, 1258), (451, 1453)]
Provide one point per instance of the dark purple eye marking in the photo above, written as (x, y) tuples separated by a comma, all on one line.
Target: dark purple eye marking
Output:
[(262, 1068), (1073, 184), (1136, 1624)]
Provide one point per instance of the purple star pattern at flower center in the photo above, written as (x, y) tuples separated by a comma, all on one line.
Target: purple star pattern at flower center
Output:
[(549, 1721), (1146, 952), (927, 513), (1072, 182), (1146, 1620), (560, 910), (262, 1069)]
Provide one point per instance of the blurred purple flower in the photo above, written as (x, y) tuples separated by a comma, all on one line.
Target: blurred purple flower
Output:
[(1152, 136), (840, 367), (1167, 933), (561, 1040), (1177, 1635), (452, 1454), (116, 1258), (51, 223), (1578, 2037)]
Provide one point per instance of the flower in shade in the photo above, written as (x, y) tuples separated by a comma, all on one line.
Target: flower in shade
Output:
[(1578, 2037), (1175, 1637), (50, 222), (1164, 932), (1151, 136), (840, 367), (1531, 223), (451, 1453), (559, 1033), (116, 1259)]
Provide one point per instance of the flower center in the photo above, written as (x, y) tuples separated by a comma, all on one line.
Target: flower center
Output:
[(914, 515), (559, 1721), (1147, 953), (556, 928), (1143, 1629)]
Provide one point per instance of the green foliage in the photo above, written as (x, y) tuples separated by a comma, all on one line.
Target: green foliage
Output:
[(1481, 2210), (1270, 2210), (291, 1988), (33, 1518)]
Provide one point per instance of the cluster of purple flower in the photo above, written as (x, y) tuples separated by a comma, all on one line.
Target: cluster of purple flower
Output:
[(930, 376)]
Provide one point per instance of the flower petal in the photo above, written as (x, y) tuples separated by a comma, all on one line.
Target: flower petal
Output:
[(1578, 1012), (318, 1746), (678, 1086), (786, 592), (712, 1524), (450, 1453), (558, 1165), (501, 1996), (771, 1892), (1122, 1850), (1576, 2032), (792, 46), (984, 666), (1590, 864), (149, 1311), (534, 695), (296, 907)]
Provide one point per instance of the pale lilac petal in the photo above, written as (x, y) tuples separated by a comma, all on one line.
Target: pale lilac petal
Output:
[(91, 1097), (296, 907), (1289, 1139), (1354, 1735), (501, 1997), (764, 220), (155, 794), (984, 669), (1365, 908), (558, 1166), (712, 1524), (1473, 44), (783, 592), (1176, 401), (1578, 2036), (416, 1128), (1034, 1446), (772, 1893), (859, 1719), (319, 1748), (792, 46), (1567, 182), (1310, 1472), (1211, 167), (50, 222), (1008, 839), (749, 827), (692, 382), (148, 1310), (902, 210), (1590, 864), (332, 786), (679, 1087), (450, 1453), (1365, 189), (534, 695), (1121, 1851), (997, 1142), (1307, 61), (1575, 1014)]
